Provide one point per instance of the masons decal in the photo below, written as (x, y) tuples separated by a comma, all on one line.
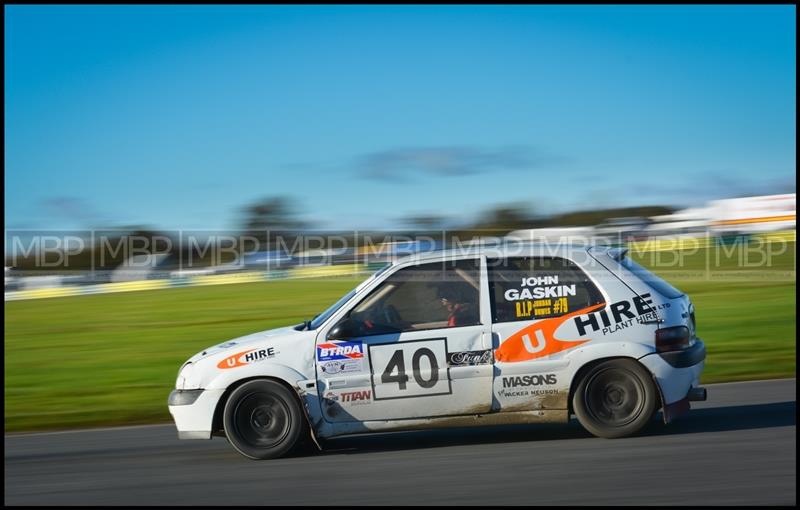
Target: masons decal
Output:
[(529, 380), (526, 385)]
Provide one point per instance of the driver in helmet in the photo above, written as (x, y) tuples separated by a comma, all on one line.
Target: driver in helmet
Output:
[(461, 311)]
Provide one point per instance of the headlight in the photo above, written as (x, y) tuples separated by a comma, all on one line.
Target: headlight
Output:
[(183, 397), (184, 375)]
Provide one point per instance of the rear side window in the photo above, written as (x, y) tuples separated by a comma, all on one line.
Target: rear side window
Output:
[(653, 281), (528, 288)]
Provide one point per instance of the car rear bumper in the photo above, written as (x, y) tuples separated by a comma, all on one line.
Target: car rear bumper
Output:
[(677, 372), (687, 357)]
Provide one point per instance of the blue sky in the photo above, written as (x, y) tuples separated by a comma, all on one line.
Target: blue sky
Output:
[(178, 116)]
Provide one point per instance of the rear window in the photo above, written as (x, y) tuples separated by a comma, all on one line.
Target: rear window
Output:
[(656, 283), (533, 288)]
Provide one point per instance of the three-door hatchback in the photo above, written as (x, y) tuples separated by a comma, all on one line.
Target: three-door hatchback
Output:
[(524, 333)]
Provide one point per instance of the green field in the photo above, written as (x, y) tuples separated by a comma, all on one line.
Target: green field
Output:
[(112, 359)]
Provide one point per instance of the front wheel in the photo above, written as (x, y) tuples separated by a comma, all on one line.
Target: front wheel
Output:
[(615, 398), (262, 419)]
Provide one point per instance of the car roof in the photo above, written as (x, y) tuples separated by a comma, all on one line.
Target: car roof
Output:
[(510, 248)]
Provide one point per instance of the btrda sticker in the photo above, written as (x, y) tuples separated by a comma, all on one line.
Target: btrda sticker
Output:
[(340, 350)]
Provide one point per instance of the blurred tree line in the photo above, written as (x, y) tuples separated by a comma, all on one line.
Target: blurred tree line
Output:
[(270, 219)]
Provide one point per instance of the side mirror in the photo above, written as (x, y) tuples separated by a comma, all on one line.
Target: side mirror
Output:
[(346, 328)]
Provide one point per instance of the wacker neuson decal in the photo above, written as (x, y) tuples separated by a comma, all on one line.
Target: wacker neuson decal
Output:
[(527, 385)]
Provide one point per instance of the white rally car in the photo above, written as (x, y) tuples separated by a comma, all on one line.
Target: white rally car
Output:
[(518, 334)]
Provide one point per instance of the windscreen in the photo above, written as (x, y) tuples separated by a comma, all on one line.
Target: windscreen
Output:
[(319, 319)]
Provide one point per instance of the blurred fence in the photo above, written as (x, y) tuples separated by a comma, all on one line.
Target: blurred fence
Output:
[(697, 243), (342, 270)]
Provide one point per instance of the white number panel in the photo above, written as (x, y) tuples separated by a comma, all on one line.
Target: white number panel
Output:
[(409, 369)]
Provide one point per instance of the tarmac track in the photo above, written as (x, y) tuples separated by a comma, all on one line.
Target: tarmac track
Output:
[(738, 448)]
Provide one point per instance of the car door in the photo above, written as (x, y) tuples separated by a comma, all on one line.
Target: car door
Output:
[(417, 345), (531, 298)]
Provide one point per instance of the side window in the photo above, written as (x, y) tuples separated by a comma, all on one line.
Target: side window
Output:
[(427, 296), (528, 288)]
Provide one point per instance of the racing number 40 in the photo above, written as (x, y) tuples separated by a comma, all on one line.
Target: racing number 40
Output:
[(397, 362), (414, 368)]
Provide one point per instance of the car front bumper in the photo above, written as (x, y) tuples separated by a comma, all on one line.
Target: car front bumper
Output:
[(193, 412)]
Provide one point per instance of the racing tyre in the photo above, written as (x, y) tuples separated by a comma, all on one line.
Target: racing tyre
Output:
[(615, 398), (262, 419)]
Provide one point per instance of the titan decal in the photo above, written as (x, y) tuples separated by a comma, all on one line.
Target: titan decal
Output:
[(357, 397), (351, 397)]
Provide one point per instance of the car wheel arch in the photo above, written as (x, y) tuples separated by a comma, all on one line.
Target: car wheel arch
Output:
[(586, 367), (216, 424)]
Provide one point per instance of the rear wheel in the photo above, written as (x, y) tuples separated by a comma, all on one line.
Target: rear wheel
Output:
[(262, 419), (615, 398)]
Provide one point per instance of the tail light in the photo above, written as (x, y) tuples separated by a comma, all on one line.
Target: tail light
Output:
[(672, 339)]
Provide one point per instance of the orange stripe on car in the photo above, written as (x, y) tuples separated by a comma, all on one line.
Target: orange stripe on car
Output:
[(538, 340), (234, 361)]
